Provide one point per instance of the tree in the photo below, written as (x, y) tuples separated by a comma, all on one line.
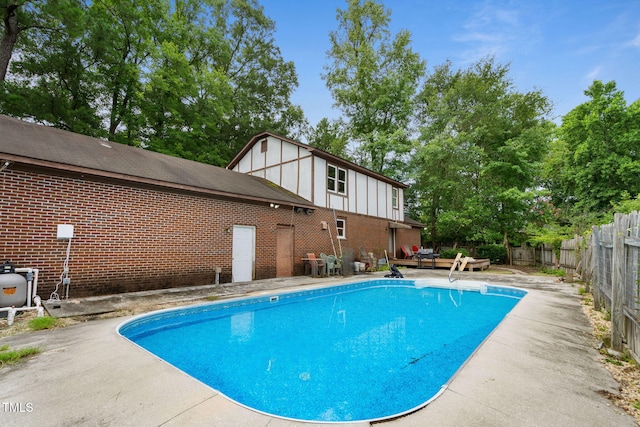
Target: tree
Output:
[(51, 79), (121, 35), (478, 159), (262, 81), (191, 78), (329, 136), (600, 142), (25, 16), (374, 79)]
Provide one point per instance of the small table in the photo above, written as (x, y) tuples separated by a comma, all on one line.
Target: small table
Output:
[(427, 255)]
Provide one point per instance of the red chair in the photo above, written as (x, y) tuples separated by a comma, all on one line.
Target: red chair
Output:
[(414, 248), (408, 253)]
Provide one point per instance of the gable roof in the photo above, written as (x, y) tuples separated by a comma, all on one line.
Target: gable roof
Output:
[(315, 151), (43, 146), (412, 222)]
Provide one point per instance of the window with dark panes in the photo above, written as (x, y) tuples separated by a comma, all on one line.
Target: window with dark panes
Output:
[(336, 179), (341, 227)]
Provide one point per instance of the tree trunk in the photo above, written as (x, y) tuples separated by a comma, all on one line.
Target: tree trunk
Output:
[(505, 242), (8, 39)]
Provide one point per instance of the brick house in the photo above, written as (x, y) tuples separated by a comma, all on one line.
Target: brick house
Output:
[(368, 207), (143, 220)]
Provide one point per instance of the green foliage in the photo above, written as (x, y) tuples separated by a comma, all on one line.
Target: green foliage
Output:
[(192, 79), (551, 234), (11, 356), (497, 254), (553, 272), (452, 253), (598, 141), (39, 323), (626, 204), (479, 154), (373, 79), (613, 361), (329, 136)]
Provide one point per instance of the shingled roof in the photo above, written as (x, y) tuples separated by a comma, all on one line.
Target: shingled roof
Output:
[(38, 145)]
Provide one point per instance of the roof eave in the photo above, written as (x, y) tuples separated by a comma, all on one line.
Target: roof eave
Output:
[(147, 181)]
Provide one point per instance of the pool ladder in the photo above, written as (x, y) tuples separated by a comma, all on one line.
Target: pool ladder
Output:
[(459, 263)]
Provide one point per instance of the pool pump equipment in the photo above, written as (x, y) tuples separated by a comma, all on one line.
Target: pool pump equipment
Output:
[(18, 291)]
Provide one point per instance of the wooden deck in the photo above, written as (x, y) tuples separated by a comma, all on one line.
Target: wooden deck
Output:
[(478, 264)]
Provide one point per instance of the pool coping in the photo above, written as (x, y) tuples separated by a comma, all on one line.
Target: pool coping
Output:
[(302, 293), (538, 367)]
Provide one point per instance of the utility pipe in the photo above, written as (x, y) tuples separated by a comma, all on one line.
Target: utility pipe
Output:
[(13, 310), (32, 290)]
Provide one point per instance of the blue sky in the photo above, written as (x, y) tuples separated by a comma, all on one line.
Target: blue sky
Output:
[(557, 46)]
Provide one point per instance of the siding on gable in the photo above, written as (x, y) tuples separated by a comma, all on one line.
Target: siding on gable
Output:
[(352, 200), (381, 191), (273, 174), (305, 178), (291, 152), (274, 151), (319, 182), (298, 170), (244, 166), (372, 191), (290, 176), (361, 193)]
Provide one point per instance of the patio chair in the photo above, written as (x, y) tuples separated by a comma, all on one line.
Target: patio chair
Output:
[(317, 266), (368, 259), (337, 264), (408, 253), (330, 263)]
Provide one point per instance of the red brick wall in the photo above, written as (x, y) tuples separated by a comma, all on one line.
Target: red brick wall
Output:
[(131, 238)]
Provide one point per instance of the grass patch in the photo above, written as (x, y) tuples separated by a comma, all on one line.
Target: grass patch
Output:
[(553, 272), (636, 404), (212, 298), (39, 323), (12, 356), (613, 361)]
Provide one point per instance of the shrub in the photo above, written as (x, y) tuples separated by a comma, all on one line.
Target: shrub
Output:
[(553, 271), (496, 254), (451, 253)]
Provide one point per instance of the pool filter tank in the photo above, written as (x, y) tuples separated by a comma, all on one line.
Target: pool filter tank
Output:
[(13, 287)]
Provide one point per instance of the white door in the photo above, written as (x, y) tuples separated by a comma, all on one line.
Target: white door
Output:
[(243, 253)]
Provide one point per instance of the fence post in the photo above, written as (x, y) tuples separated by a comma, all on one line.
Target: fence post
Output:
[(596, 258), (621, 224)]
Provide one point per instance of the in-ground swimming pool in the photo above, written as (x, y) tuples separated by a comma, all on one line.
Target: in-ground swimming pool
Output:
[(364, 351)]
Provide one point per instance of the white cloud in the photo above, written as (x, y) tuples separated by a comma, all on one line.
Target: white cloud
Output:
[(496, 29), (636, 42), (593, 74)]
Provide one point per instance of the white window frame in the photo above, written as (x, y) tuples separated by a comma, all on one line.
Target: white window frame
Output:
[(342, 228), (395, 195), (335, 180)]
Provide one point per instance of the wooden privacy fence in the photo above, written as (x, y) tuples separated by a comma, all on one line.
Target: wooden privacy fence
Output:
[(610, 266), (543, 256)]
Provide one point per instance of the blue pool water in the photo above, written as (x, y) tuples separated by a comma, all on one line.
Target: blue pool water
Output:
[(362, 351)]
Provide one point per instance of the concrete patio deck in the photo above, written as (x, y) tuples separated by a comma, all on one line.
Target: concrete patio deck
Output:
[(538, 368)]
